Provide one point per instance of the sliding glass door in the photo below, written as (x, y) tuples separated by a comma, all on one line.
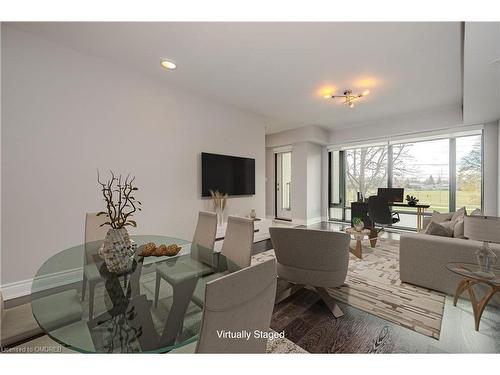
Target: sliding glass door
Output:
[(444, 172)]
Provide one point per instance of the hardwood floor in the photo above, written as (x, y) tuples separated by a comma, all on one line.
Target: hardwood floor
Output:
[(307, 322)]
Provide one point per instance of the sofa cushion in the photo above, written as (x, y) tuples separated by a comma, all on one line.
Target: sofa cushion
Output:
[(458, 222), (439, 217), (436, 229), (476, 212), (458, 229)]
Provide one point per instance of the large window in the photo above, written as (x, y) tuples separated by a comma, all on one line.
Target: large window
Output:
[(444, 172), (468, 172), (422, 169), (366, 171)]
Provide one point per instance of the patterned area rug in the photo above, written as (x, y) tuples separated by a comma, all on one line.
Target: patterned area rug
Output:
[(373, 285)]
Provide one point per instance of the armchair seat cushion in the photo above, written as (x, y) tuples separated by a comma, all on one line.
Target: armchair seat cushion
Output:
[(319, 278)]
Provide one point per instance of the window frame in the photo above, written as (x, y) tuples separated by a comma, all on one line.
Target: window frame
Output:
[(452, 165)]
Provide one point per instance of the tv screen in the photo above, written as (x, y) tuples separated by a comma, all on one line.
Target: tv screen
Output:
[(227, 174)]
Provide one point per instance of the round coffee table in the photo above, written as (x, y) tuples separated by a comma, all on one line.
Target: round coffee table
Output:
[(360, 236), (472, 275)]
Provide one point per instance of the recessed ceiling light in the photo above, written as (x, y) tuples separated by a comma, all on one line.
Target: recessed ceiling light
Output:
[(168, 64)]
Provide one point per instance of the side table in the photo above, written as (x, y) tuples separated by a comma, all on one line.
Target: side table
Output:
[(359, 236), (472, 275)]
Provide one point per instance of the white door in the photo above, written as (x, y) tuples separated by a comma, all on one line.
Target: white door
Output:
[(284, 185)]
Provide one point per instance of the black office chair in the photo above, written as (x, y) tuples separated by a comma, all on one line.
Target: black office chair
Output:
[(380, 213)]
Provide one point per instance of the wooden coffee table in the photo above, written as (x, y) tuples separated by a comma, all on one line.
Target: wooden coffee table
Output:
[(360, 236)]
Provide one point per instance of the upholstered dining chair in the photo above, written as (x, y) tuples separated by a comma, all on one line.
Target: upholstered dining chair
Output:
[(201, 255), (236, 249), (311, 257), (94, 238), (240, 301)]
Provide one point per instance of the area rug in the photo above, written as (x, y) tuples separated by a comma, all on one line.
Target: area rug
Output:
[(373, 285)]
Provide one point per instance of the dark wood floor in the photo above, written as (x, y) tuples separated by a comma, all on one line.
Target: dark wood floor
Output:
[(307, 322)]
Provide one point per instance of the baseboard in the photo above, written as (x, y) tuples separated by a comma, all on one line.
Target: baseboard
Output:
[(23, 288)]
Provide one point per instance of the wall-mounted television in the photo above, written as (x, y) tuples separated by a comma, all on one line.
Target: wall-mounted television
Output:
[(228, 174)]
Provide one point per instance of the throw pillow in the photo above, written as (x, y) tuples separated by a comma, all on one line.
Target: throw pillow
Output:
[(476, 212), (458, 229), (458, 222), (438, 217), (459, 214), (436, 229)]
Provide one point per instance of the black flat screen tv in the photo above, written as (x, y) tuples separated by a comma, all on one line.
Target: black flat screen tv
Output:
[(227, 174)]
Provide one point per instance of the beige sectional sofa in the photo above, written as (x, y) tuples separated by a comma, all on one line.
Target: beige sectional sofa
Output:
[(423, 260)]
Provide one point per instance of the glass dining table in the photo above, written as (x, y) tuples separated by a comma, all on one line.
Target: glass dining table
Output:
[(125, 319)]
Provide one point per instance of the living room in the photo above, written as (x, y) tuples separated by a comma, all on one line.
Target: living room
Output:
[(236, 187)]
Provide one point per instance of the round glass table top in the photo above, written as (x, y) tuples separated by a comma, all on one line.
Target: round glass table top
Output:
[(83, 306), (473, 271)]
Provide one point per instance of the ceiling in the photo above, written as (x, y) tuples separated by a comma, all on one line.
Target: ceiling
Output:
[(281, 70)]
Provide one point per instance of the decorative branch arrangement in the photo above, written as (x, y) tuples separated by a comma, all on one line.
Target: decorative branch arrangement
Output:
[(120, 203)]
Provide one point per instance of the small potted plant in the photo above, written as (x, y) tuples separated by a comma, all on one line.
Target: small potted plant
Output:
[(121, 204), (412, 201), (358, 224)]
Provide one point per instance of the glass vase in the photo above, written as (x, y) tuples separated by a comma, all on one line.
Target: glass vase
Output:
[(486, 259)]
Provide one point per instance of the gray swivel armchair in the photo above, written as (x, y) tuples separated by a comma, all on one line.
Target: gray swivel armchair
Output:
[(311, 257)]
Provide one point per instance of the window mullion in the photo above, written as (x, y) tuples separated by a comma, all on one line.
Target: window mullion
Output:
[(452, 195)]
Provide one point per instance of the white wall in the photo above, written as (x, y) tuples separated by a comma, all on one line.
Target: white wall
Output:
[(1, 131), (306, 190), (442, 118), (490, 169), (314, 182), (481, 75), (309, 133), (66, 114)]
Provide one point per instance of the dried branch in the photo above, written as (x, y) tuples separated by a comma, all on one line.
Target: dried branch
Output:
[(120, 207)]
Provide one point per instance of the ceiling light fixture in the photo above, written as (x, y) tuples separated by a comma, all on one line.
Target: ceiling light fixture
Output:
[(349, 97), (168, 64)]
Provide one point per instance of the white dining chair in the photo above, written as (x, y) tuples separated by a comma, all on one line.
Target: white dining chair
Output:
[(95, 233), (201, 253), (236, 250), (237, 302)]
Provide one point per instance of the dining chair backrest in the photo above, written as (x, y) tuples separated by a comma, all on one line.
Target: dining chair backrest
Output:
[(240, 301), (94, 234), (378, 210), (203, 242), (238, 241)]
